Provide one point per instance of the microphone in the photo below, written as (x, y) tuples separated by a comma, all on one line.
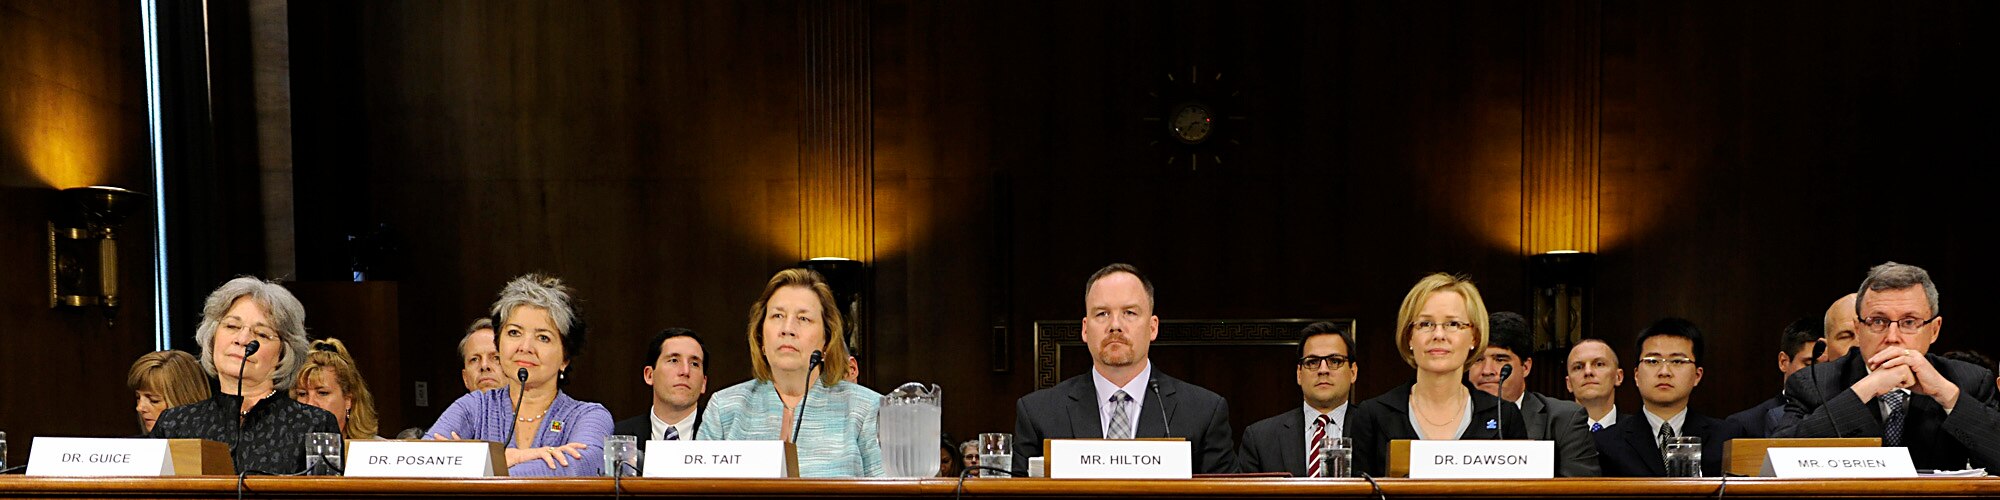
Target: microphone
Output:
[(521, 375), (1500, 407), (799, 421), (248, 350), (1164, 416)]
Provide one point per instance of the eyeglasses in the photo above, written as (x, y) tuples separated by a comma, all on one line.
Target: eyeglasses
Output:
[(1313, 362), (1427, 326), (1675, 362), (1880, 324)]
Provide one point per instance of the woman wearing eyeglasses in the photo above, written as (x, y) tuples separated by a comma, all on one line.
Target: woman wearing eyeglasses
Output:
[(1441, 330)]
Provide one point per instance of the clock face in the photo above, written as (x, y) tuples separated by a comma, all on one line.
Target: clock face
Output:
[(1191, 123)]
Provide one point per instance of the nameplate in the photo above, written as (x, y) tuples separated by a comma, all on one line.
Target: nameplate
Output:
[(1119, 459), (59, 456), (441, 458), (1482, 459), (1822, 463), (720, 459)]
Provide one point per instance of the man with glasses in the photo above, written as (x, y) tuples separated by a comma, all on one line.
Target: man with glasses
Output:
[(1290, 441), (1941, 409), (1795, 347), (1513, 345), (1669, 368)]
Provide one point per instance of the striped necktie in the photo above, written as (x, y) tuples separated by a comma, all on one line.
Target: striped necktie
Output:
[(1319, 442), (673, 434)]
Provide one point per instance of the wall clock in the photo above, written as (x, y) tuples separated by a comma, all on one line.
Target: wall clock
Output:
[(1196, 119)]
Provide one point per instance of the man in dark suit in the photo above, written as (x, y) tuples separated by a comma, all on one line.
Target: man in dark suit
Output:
[(1123, 397), (1594, 378), (679, 376), (1286, 442), (1891, 387), (1511, 344), (1667, 373), (1795, 347)]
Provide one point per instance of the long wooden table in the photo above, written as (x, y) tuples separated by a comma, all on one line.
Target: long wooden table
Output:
[(338, 487)]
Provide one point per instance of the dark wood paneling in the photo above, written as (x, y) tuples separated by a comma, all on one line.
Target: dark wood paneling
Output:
[(72, 113)]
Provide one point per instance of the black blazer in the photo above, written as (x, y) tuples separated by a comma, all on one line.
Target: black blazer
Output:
[(642, 426), (1278, 444), (1971, 433), (1069, 410), (1387, 418), (1568, 425), (1755, 421), (1631, 449)]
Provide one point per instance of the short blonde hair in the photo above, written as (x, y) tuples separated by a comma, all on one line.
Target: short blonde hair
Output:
[(331, 354), (834, 369), (1413, 305), (174, 375), (287, 316)]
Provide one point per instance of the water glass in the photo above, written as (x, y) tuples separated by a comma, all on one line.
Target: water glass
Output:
[(1336, 457), (323, 453), (996, 449), (1683, 456), (3, 450), (621, 455)]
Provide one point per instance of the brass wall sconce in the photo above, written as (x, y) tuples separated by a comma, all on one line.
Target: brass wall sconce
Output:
[(83, 245), (1561, 283)]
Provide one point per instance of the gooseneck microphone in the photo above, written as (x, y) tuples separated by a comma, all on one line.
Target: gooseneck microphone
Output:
[(1500, 407), (234, 449), (1166, 418), (521, 375), (800, 420)]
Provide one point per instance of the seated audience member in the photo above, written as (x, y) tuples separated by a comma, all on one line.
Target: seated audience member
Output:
[(1893, 388), (836, 436), (1839, 329), (1513, 345), (679, 376), (1291, 441), (1441, 329), (540, 331), (1123, 396), (1594, 378), (329, 380), (1795, 347), (265, 432), (162, 380), (479, 357), (970, 451), (950, 463), (1668, 370)]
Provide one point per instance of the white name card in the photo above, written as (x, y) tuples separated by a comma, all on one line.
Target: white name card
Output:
[(1119, 459), (458, 458), (1482, 459), (57, 456), (1821, 463), (719, 459)]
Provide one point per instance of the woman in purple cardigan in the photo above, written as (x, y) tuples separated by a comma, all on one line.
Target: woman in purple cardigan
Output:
[(539, 331)]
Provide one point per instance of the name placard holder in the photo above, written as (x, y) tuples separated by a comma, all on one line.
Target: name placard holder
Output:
[(1745, 456), (1170, 458), (1829, 463), (439, 458), (721, 459), (62, 456), (1475, 459)]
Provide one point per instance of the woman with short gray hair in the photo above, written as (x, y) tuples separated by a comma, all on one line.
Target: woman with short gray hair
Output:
[(252, 338)]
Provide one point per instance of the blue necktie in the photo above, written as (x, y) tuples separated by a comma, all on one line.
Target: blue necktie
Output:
[(1594, 427), (673, 434), (1892, 428)]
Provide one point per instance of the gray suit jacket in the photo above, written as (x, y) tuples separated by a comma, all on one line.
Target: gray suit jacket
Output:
[(1569, 426), (1278, 444), (1069, 410), (1819, 402)]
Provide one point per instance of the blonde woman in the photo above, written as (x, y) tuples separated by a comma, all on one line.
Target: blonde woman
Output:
[(330, 381), (162, 380), (794, 317), (1441, 329)]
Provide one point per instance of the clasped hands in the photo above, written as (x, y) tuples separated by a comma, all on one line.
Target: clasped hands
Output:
[(1902, 368)]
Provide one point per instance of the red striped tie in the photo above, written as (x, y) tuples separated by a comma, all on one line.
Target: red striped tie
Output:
[(1319, 439)]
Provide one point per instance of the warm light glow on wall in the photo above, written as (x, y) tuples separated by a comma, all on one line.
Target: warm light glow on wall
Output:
[(55, 127), (1561, 129)]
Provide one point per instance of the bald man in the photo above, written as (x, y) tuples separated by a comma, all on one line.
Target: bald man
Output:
[(1839, 328)]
